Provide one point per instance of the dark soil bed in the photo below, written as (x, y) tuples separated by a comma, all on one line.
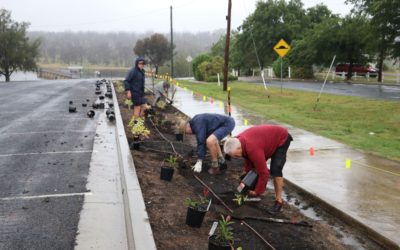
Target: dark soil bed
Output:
[(165, 200)]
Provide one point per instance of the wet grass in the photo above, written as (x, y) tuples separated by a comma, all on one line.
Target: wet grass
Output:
[(343, 118)]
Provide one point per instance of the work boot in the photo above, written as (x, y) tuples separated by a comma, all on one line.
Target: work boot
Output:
[(277, 208), (214, 171)]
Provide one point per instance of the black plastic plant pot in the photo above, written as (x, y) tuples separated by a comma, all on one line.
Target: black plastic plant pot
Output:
[(98, 92), (194, 218), (72, 109), (84, 104), (90, 113), (214, 244), (166, 173), (179, 137), (135, 145), (101, 97)]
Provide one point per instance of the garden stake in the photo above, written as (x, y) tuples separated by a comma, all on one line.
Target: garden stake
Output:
[(231, 211)]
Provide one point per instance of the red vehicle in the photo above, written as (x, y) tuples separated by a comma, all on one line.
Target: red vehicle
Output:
[(357, 68)]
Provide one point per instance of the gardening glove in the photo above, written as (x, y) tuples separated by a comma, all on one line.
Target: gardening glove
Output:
[(198, 166)]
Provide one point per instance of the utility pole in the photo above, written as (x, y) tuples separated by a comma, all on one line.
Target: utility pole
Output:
[(172, 48), (227, 42)]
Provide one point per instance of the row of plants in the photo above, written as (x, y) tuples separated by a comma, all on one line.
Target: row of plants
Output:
[(221, 233)]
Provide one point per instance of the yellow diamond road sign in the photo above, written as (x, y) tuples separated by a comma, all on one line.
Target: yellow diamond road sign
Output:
[(282, 48)]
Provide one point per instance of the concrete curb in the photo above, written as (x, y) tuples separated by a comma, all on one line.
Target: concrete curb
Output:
[(139, 233)]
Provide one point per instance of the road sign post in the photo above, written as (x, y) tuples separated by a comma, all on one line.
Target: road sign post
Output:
[(281, 48)]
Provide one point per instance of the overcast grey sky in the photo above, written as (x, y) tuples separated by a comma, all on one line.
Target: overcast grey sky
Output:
[(137, 15)]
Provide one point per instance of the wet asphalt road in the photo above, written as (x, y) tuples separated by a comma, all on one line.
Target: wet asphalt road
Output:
[(44, 150), (385, 92)]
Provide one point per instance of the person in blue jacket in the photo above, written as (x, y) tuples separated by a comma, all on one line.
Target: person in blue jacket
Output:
[(134, 87), (209, 129)]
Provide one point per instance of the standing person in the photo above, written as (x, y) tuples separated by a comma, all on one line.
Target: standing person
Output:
[(134, 87), (256, 145), (209, 130)]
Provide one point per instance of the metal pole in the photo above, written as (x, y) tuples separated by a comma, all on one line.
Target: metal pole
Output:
[(172, 48), (227, 42), (281, 74)]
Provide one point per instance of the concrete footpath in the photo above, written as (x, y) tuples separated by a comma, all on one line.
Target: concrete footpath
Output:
[(360, 188)]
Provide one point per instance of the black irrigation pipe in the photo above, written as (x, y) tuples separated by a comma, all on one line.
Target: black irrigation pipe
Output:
[(172, 145), (231, 211)]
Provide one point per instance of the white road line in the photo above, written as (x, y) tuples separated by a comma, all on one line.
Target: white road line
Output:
[(48, 132), (43, 153), (60, 119), (31, 111), (43, 196)]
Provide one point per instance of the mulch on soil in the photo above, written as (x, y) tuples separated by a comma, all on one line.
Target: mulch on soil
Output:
[(165, 200)]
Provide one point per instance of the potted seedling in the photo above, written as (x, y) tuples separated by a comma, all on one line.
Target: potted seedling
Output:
[(223, 239), (161, 104), (196, 211), (168, 169), (128, 103), (240, 198), (139, 132)]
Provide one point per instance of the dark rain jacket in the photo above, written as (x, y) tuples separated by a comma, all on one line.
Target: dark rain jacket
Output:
[(134, 81)]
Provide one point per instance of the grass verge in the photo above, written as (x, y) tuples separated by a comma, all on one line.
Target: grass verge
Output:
[(370, 125)]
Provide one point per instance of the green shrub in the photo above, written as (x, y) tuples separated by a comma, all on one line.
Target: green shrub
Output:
[(305, 72), (195, 65)]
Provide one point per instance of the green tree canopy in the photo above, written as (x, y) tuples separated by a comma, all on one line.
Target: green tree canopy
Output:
[(16, 51), (155, 48), (385, 21)]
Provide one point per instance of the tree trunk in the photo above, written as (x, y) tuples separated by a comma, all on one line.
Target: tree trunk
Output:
[(7, 74), (380, 65), (381, 58), (350, 71)]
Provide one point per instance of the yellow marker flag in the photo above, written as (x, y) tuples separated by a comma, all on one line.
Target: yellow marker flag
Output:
[(229, 88), (204, 98), (220, 104), (348, 163), (246, 122)]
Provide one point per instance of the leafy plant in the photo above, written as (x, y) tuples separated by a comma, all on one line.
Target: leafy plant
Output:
[(129, 103), (161, 104), (119, 87), (225, 232), (197, 204), (240, 198), (172, 161), (138, 129)]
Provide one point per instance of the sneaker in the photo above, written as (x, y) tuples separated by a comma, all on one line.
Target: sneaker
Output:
[(277, 208), (214, 171)]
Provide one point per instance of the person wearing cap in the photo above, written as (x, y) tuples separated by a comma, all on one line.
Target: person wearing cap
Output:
[(256, 145), (134, 88), (209, 129)]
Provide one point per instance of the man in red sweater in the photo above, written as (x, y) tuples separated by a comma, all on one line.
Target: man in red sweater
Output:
[(256, 145)]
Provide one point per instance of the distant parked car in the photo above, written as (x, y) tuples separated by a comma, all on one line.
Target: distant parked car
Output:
[(357, 68)]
